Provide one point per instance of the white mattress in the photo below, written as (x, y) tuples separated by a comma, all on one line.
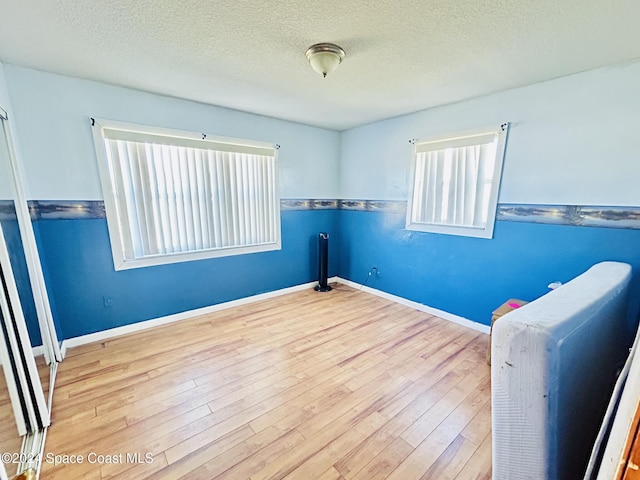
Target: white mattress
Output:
[(553, 369)]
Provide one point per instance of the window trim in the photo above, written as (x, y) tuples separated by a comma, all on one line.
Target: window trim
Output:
[(116, 230), (459, 139)]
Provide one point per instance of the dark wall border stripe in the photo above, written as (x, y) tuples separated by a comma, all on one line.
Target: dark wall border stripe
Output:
[(308, 204), (586, 216), (387, 206), (7, 210), (66, 209)]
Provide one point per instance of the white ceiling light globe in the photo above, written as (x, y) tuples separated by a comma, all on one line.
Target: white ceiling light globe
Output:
[(325, 57)]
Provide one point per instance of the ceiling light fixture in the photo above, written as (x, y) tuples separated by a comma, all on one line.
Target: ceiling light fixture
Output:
[(325, 57)]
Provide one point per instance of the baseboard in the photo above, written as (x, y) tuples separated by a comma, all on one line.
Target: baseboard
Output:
[(39, 351), (419, 306), (156, 322)]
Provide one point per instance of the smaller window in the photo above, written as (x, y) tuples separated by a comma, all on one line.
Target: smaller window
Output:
[(173, 196), (456, 179)]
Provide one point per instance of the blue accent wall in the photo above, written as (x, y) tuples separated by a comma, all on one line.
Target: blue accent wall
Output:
[(13, 240), (471, 277), (465, 276), (79, 272)]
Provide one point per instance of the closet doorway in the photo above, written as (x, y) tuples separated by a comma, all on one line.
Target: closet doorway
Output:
[(29, 347)]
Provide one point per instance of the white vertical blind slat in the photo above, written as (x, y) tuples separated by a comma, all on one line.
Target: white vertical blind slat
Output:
[(429, 187), (176, 186), (470, 187), (205, 205), (243, 200), (194, 202), (250, 198), (229, 193), (210, 175), (259, 193), (443, 174), (163, 200), (418, 188), (172, 198), (188, 231), (127, 169), (141, 195), (265, 200), (271, 174), (221, 201), (157, 235)]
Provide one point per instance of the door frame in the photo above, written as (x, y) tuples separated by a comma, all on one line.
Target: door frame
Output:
[(50, 342)]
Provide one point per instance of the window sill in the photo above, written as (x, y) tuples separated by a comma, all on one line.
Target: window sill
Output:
[(476, 232), (192, 256)]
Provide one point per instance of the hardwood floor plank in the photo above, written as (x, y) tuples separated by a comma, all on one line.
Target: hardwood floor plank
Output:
[(452, 460), (217, 458), (383, 464), (136, 470), (400, 419), (433, 417), (439, 439), (303, 407), (134, 439), (480, 426), (479, 465), (259, 460), (367, 397), (214, 449), (331, 474), (313, 467)]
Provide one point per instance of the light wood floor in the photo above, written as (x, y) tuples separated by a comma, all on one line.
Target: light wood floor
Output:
[(330, 386), (10, 441)]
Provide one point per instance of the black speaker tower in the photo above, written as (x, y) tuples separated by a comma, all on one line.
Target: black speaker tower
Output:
[(323, 262)]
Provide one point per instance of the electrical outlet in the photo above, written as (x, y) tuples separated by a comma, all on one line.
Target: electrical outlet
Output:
[(108, 301), (374, 271)]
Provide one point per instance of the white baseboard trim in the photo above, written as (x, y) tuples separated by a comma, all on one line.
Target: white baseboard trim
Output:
[(419, 306), (156, 322), (37, 351), (176, 317)]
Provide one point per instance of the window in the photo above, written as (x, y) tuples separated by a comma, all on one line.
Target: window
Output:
[(174, 196), (456, 181)]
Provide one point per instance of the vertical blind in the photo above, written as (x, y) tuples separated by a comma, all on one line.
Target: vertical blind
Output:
[(453, 181), (184, 195)]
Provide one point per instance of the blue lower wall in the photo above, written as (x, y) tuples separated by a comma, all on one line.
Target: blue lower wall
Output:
[(79, 272), (471, 277), (13, 239), (464, 276)]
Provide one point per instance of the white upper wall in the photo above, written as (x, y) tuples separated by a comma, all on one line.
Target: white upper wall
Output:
[(573, 140), (5, 187), (51, 119), (4, 93)]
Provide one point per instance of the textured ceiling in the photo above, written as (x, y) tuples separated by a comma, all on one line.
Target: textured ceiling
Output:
[(402, 55)]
